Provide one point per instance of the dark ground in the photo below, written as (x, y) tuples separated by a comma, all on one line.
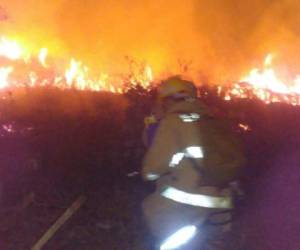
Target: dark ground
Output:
[(56, 145)]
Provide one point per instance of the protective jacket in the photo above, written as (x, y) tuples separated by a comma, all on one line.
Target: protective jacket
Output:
[(186, 142), (193, 166)]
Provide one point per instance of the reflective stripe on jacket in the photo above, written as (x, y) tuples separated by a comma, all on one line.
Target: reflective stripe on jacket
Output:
[(198, 200)]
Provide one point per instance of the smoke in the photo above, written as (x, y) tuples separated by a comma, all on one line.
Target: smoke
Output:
[(212, 39)]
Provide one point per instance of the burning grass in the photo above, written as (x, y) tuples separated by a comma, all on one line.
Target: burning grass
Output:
[(22, 68)]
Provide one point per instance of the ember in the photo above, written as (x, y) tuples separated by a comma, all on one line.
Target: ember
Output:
[(8, 128), (244, 127)]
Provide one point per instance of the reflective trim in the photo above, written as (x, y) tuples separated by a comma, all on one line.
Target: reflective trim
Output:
[(176, 159), (192, 117), (190, 152), (200, 200), (132, 174), (194, 152), (152, 177), (179, 238)]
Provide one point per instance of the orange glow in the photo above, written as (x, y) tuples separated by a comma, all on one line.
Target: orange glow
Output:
[(37, 68)]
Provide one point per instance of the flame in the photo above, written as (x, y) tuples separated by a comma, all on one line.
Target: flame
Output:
[(22, 68), (266, 85), (4, 73), (76, 75), (10, 49), (269, 60), (33, 79), (43, 56), (267, 78)]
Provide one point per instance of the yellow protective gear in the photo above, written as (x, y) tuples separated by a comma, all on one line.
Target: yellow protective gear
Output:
[(178, 132), (186, 158), (174, 86)]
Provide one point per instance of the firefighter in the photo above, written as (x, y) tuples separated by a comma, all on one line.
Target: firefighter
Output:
[(193, 162)]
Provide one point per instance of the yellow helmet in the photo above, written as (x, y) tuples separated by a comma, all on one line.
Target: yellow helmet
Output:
[(176, 87)]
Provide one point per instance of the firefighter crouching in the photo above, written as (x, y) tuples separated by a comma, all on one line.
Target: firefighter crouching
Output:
[(193, 158)]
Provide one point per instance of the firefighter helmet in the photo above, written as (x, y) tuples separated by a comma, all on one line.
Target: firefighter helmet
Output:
[(176, 87)]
